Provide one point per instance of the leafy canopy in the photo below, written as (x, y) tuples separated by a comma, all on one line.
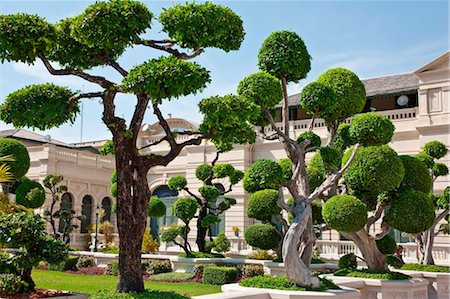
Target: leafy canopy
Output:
[(435, 149), (262, 89), (41, 106), (262, 205), (30, 194), (203, 25), (156, 207), (318, 99), (263, 236), (345, 213), (416, 177), (371, 129), (263, 174)]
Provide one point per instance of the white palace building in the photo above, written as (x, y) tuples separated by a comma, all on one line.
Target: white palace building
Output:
[(418, 103)]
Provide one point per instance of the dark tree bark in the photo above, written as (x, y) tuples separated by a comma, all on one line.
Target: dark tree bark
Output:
[(201, 231)]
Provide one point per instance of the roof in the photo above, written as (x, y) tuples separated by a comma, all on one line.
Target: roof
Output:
[(380, 86), (442, 62)]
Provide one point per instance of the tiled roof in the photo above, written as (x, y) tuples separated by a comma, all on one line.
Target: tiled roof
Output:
[(28, 135), (381, 86)]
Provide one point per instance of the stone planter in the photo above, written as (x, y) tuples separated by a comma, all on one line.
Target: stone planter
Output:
[(385, 289), (438, 283)]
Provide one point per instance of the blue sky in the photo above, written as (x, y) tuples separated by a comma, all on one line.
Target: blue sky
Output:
[(372, 38)]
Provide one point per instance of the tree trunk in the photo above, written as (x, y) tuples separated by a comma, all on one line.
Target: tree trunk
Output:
[(132, 200), (296, 269), (307, 241), (373, 258), (201, 231), (428, 250), (26, 277)]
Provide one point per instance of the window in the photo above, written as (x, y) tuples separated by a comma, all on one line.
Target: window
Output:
[(169, 197), (66, 207), (106, 207), (216, 228), (86, 211)]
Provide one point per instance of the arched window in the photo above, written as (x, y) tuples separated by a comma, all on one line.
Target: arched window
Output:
[(164, 191), (65, 207), (169, 197), (106, 206), (86, 211)]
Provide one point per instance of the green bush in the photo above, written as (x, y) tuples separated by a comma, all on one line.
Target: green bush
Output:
[(30, 194), (440, 169), (372, 274), (19, 167), (316, 176), (210, 220), (156, 207), (286, 168), (6, 265), (425, 159), (416, 177), (261, 254), (177, 183), (252, 270), (172, 276), (157, 266), (425, 268), (314, 139), (262, 205), (435, 149), (394, 261), (263, 174), (221, 243), (148, 294), (343, 139), (387, 245), (219, 275), (209, 192), (345, 213), (282, 282), (11, 284), (262, 89), (185, 208), (203, 171), (411, 212), (317, 98), (86, 261), (263, 236), (222, 170), (112, 268), (371, 129), (348, 261), (201, 255), (69, 264)]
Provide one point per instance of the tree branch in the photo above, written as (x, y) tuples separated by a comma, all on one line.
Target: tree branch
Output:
[(281, 203), (199, 200), (153, 143), (164, 125), (385, 228), (377, 215), (168, 47), (117, 67)]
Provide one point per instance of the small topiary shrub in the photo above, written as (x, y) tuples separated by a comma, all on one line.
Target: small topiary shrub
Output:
[(210, 220), (282, 282), (345, 213), (435, 149), (252, 270), (387, 245), (371, 129), (177, 183), (185, 208), (69, 264), (19, 167), (261, 254), (30, 194), (262, 205), (85, 262), (148, 244), (416, 177), (219, 275), (222, 170), (348, 261), (314, 139), (372, 274), (209, 192), (156, 207), (203, 171), (221, 243), (286, 168), (263, 236), (425, 268), (343, 139), (11, 284), (263, 174), (394, 261), (316, 98), (426, 159), (157, 266), (262, 89)]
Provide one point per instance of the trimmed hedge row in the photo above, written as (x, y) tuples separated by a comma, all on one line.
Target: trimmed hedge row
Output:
[(219, 275)]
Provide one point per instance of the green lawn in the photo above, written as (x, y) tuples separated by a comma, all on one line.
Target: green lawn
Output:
[(87, 284)]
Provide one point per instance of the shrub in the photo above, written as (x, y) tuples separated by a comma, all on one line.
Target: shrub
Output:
[(177, 183), (156, 207), (19, 167), (219, 275), (30, 194), (394, 261), (411, 212), (198, 270), (440, 169), (425, 268), (11, 284), (348, 261), (210, 220), (316, 176), (263, 236), (221, 243), (263, 174), (185, 208), (209, 192), (148, 294), (435, 149), (372, 274), (148, 244), (172, 277), (281, 282), (343, 139), (203, 171), (85, 262), (201, 255), (371, 129), (252, 270), (261, 254), (416, 177), (345, 213), (425, 159), (112, 268), (286, 168), (6, 265), (90, 271), (69, 264), (262, 205), (314, 139), (222, 170), (387, 245), (157, 266), (262, 89), (317, 98)]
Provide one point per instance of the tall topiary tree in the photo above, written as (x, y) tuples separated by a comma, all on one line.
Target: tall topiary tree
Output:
[(211, 201), (98, 37), (336, 95), (433, 151)]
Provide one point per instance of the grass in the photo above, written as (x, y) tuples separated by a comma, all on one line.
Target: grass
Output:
[(372, 274), (425, 268), (281, 282), (89, 284), (172, 276)]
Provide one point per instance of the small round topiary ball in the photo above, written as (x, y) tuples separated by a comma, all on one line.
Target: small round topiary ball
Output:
[(19, 167), (416, 177), (30, 194), (262, 205), (371, 129), (203, 171), (156, 207), (387, 245), (177, 183), (318, 99), (345, 213), (262, 89), (263, 174), (435, 149), (314, 139), (263, 236), (411, 212), (348, 261), (185, 208), (209, 192)]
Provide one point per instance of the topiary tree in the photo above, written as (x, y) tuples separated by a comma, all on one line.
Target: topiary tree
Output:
[(387, 245), (98, 37), (211, 201), (30, 194), (20, 162), (433, 151), (156, 209), (336, 95), (263, 236)]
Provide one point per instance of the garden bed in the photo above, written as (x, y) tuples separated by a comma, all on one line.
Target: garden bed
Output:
[(41, 293)]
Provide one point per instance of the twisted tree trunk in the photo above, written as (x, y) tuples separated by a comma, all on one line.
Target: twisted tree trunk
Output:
[(201, 231), (373, 258)]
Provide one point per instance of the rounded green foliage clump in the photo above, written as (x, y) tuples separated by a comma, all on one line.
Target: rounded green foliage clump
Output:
[(286, 168), (262, 205), (371, 129), (411, 212), (317, 212), (236, 176), (387, 245), (426, 159), (284, 54), (331, 158), (263, 174), (440, 169), (262, 89), (435, 149), (343, 139), (41, 106), (221, 243), (226, 203), (203, 172), (167, 77), (263, 236), (416, 177), (316, 176), (209, 192), (111, 26), (113, 189), (209, 220), (24, 37), (348, 261), (314, 139), (222, 170), (317, 99), (19, 167), (345, 213), (30, 194), (203, 25), (177, 183), (185, 208), (349, 90), (375, 169), (156, 207)]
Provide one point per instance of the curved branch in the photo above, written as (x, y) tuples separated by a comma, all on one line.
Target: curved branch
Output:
[(377, 215), (153, 143), (164, 125), (281, 203), (199, 200), (385, 229), (159, 45), (117, 67)]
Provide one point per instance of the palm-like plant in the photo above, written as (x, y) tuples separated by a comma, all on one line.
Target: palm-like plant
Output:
[(6, 175)]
